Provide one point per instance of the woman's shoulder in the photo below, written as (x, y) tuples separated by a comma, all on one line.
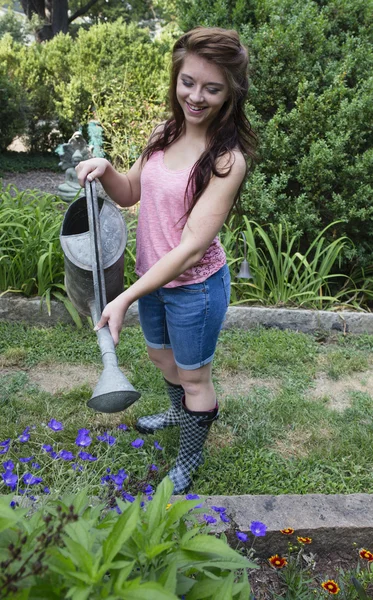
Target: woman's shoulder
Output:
[(232, 162)]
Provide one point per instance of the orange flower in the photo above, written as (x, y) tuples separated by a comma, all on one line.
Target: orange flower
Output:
[(304, 540), (331, 586), (287, 531), (366, 554), (277, 561)]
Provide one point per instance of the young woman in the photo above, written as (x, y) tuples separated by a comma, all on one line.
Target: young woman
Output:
[(187, 180)]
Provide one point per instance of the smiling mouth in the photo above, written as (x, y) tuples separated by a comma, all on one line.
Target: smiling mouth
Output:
[(195, 109)]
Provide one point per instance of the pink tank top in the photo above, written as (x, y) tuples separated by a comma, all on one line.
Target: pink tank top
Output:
[(161, 222)]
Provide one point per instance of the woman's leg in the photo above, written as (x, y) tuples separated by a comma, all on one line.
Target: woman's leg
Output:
[(199, 389), (163, 359)]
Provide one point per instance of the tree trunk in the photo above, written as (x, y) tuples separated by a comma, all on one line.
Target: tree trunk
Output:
[(54, 14)]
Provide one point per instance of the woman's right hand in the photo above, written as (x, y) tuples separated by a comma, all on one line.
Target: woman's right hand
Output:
[(91, 169)]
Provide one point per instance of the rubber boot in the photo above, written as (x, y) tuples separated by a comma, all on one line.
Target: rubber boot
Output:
[(169, 418), (194, 427)]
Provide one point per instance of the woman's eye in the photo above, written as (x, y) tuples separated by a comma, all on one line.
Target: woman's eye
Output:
[(213, 90), (187, 83)]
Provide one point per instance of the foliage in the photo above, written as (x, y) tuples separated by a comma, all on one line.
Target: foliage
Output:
[(310, 103), (10, 23), (13, 101), (70, 548), (112, 72), (284, 276), (21, 162), (31, 260)]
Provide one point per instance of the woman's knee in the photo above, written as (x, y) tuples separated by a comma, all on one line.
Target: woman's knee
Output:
[(162, 358), (195, 380)]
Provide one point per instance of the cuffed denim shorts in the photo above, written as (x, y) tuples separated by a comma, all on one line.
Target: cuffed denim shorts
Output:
[(187, 318)]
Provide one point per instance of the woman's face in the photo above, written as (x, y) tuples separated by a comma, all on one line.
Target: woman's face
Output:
[(201, 90)]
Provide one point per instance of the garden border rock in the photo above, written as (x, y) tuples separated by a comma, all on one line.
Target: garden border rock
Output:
[(335, 522), (34, 311)]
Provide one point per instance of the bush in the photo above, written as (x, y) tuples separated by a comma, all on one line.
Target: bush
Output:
[(73, 548), (13, 107), (310, 102)]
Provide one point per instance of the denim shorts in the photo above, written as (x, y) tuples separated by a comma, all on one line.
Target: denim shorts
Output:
[(187, 318)]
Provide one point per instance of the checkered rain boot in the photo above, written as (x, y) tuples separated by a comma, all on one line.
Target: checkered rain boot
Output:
[(167, 419), (194, 427)]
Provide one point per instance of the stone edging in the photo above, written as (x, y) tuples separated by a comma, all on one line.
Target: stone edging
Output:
[(17, 308)]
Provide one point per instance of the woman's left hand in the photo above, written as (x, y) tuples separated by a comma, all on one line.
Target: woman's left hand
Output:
[(113, 316)]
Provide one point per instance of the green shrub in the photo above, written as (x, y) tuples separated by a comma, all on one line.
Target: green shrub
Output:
[(13, 106), (71, 549), (310, 102)]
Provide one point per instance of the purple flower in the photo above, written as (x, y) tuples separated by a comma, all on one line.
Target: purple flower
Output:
[(47, 447), (26, 460), (66, 455), (219, 509), (128, 497), (123, 427), (117, 509), (35, 465), (105, 479), (241, 536), (148, 490), (138, 443), (53, 454), (109, 439), (8, 465), (224, 518), (30, 479), (157, 446), (87, 456), (209, 519), (5, 442), (75, 467), (4, 450), (149, 498), (25, 436), (153, 468), (119, 478), (192, 497), (258, 529), (108, 470), (46, 490), (13, 504), (83, 438), (10, 479), (55, 425)]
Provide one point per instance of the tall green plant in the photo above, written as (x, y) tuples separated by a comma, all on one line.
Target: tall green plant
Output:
[(70, 550), (31, 259), (282, 275)]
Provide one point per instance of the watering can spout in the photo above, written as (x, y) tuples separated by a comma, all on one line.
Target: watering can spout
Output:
[(94, 268)]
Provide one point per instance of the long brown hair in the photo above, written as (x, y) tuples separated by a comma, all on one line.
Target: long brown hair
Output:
[(230, 129)]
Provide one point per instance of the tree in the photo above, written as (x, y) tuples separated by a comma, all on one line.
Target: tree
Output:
[(53, 16)]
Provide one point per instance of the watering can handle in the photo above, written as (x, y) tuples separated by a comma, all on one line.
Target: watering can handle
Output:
[(96, 250)]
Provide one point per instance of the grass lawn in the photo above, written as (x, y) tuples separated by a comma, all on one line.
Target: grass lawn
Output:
[(296, 413)]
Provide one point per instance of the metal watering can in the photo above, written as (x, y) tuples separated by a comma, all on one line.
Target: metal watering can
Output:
[(93, 239)]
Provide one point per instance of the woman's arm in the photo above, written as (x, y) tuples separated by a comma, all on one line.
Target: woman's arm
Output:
[(203, 224), (123, 188)]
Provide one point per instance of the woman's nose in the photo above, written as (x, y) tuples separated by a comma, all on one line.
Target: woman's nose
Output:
[(196, 95)]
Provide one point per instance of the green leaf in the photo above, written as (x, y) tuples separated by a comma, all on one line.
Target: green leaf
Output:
[(225, 590), (82, 558), (154, 551), (8, 516), (122, 530), (168, 578), (125, 570), (156, 509), (147, 591), (79, 593), (211, 546), (179, 509)]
